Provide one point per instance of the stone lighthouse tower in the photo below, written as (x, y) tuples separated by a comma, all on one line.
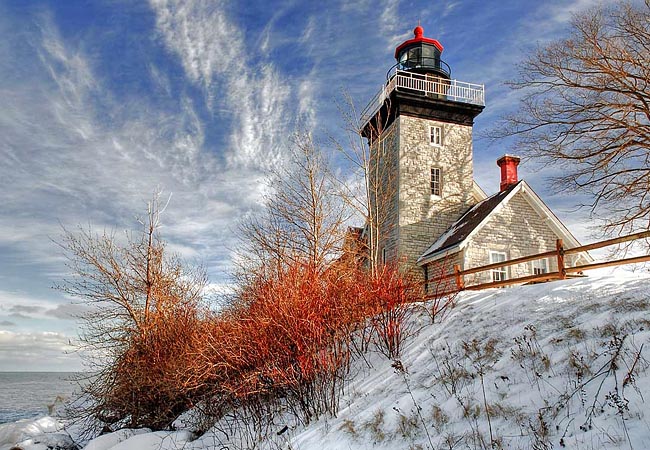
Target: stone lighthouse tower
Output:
[(419, 127)]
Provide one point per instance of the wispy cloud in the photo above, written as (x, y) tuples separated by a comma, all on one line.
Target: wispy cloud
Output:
[(449, 7), (550, 19), (391, 25), (74, 166), (214, 55)]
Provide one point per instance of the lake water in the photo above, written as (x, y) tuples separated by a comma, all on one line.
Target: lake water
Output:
[(25, 395)]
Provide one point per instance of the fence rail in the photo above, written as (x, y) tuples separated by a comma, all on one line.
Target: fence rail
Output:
[(562, 270)]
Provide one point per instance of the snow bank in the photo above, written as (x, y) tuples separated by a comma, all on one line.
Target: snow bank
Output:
[(159, 440), (554, 365), (110, 440), (25, 430), (47, 441)]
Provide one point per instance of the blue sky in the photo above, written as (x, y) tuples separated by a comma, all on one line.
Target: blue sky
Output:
[(104, 102)]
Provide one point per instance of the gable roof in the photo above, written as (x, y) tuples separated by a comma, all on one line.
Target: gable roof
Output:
[(458, 235)]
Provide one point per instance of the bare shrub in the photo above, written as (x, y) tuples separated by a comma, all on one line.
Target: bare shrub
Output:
[(145, 312), (348, 427), (285, 343), (529, 355), (407, 425), (391, 295), (439, 417), (375, 426)]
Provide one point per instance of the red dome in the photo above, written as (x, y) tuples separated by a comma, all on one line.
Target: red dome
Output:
[(418, 32)]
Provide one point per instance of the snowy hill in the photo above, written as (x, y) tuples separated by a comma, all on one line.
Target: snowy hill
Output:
[(555, 365)]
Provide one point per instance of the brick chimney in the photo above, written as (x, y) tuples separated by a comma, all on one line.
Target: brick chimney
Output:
[(508, 165)]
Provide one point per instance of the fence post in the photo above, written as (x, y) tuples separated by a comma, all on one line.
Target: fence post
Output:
[(560, 259), (459, 278)]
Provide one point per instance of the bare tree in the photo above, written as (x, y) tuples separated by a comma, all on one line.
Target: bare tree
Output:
[(368, 150), (303, 217), (586, 110), (144, 311)]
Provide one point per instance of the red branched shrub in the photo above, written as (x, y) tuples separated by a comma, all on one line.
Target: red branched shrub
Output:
[(157, 377), (286, 339), (289, 337), (389, 295)]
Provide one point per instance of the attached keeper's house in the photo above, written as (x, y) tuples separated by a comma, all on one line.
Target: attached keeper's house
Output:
[(419, 128)]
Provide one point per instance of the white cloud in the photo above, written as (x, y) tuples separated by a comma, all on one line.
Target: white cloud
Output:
[(27, 307), (207, 42), (38, 351)]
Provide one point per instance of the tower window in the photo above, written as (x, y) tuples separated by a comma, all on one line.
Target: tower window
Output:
[(435, 135), (436, 181)]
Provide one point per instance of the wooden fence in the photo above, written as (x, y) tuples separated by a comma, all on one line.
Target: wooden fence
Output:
[(558, 254)]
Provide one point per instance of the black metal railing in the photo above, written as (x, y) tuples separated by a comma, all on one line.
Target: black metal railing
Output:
[(422, 64)]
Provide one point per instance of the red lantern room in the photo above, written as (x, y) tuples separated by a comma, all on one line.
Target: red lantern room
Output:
[(421, 55)]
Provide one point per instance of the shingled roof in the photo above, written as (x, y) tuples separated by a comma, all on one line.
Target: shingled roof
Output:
[(468, 222)]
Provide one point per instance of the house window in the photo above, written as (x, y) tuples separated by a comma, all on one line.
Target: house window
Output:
[(498, 274), (436, 181), (383, 255), (540, 266), (435, 135)]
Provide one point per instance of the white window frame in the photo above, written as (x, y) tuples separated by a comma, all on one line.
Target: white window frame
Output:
[(539, 266), (435, 135), (435, 183), (501, 273)]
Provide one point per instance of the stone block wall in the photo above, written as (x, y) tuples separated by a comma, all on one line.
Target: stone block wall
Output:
[(517, 230), (422, 216), (383, 180)]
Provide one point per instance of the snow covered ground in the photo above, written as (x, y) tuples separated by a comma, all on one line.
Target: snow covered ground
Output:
[(555, 365)]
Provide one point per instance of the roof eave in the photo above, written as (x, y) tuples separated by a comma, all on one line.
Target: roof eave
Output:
[(442, 253)]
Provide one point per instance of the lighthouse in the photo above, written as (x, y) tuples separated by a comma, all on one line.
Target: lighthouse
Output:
[(419, 130)]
